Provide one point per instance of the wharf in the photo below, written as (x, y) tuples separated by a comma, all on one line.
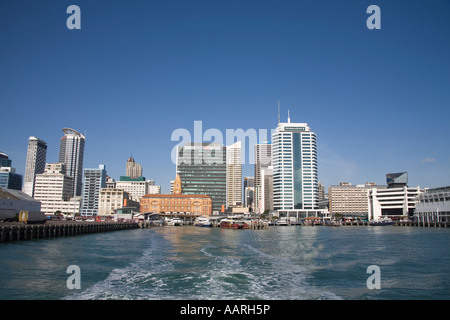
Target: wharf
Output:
[(17, 232), (422, 224)]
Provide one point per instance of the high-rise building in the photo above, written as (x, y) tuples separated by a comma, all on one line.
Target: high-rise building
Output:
[(203, 171), (71, 153), (94, 181), (234, 174), (4, 160), (249, 188), (266, 189), (9, 179), (36, 157), (54, 189), (263, 159), (295, 176), (133, 169)]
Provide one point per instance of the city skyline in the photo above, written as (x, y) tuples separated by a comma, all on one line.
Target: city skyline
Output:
[(377, 99)]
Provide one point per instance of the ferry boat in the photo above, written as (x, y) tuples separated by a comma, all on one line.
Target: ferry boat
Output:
[(174, 222), (234, 222), (202, 222), (381, 222)]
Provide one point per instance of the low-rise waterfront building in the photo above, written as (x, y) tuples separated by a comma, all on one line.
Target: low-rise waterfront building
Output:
[(433, 205), (177, 203), (397, 201), (350, 200), (14, 201)]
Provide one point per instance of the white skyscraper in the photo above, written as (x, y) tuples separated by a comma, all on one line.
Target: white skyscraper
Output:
[(94, 180), (295, 177), (36, 157), (71, 153), (263, 159), (234, 174)]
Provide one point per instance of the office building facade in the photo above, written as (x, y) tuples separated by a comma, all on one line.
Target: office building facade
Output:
[(263, 159), (9, 179), (35, 164), (350, 200), (234, 174), (71, 153), (54, 189), (112, 199), (94, 181), (433, 205), (295, 175), (203, 171), (249, 189)]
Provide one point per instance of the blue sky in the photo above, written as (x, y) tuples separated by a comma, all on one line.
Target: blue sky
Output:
[(378, 100)]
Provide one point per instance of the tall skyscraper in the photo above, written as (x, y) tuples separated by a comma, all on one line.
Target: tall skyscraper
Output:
[(203, 170), (133, 169), (295, 176), (36, 157), (263, 159), (234, 174), (94, 180), (71, 153)]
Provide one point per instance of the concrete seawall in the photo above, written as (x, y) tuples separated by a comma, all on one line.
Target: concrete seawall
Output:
[(19, 232)]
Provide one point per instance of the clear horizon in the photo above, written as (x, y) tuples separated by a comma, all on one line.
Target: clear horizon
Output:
[(378, 100)]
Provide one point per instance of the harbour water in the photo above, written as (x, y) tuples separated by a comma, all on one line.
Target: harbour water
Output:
[(190, 263)]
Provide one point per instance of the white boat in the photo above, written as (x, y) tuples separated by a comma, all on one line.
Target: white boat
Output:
[(174, 222), (381, 222), (202, 222)]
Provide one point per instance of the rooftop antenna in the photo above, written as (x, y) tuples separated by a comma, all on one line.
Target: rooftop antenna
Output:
[(289, 118), (278, 111)]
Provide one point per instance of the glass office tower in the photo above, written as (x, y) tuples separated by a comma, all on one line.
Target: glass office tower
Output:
[(203, 170), (295, 176)]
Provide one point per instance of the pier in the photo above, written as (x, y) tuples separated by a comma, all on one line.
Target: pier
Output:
[(18, 232), (428, 224)]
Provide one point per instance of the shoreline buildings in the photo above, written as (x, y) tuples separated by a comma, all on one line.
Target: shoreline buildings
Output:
[(433, 205), (397, 201), (177, 202), (35, 163)]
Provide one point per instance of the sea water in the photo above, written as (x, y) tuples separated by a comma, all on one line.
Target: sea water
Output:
[(187, 262)]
